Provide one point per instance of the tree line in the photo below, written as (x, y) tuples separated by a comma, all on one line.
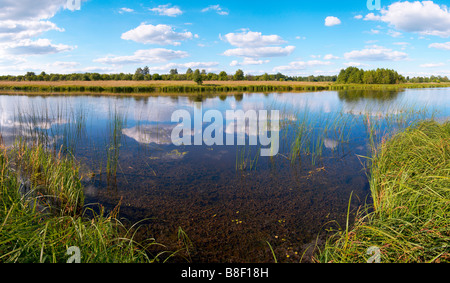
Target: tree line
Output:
[(143, 74), (346, 76), (382, 76), (353, 75)]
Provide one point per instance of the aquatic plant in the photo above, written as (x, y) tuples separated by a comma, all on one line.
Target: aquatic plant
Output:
[(409, 183), (116, 123), (32, 231)]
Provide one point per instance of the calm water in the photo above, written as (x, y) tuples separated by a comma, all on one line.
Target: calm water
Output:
[(228, 199)]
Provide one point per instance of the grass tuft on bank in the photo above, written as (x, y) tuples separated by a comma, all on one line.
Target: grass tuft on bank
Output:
[(410, 187), (42, 214)]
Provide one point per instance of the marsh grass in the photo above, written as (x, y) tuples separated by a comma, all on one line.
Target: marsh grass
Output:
[(410, 188), (34, 229), (309, 135), (49, 174), (247, 158), (116, 123), (61, 127)]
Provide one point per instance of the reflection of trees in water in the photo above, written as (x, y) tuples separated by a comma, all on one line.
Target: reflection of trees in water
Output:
[(381, 95)]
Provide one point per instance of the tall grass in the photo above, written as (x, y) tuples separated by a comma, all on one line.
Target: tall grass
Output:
[(410, 188), (49, 174), (60, 127), (116, 123), (310, 134), (34, 229)]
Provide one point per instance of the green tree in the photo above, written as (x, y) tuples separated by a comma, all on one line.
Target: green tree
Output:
[(94, 77), (138, 77), (139, 71), (239, 75), (198, 77), (189, 74), (223, 76), (156, 77), (265, 77)]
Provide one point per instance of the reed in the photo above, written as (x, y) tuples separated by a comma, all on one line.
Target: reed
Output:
[(31, 231), (116, 123), (51, 175), (408, 221), (312, 133), (246, 158)]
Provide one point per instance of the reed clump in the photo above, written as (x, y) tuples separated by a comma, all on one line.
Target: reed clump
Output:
[(410, 188), (34, 229)]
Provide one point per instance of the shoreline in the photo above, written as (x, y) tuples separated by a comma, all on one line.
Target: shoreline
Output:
[(187, 87)]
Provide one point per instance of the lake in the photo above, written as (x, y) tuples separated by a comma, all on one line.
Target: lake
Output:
[(229, 200)]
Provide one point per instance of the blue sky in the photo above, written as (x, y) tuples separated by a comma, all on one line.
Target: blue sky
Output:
[(292, 37)]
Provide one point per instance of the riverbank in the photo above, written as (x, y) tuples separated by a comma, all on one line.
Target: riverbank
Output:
[(408, 222), (186, 87)]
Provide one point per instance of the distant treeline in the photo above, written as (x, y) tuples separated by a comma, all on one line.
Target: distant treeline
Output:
[(143, 74), (346, 76), (353, 75)]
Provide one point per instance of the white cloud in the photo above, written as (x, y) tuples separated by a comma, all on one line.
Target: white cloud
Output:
[(73, 67), (394, 33), (401, 43), (192, 65), (159, 34), (166, 10), (248, 61), (376, 53), (255, 45), (372, 17), (260, 52), (358, 17), (426, 17), (62, 64), (95, 69), (332, 21), (330, 57), (8, 60), (253, 39), (156, 55), (444, 46), (21, 21), (432, 65), (300, 65), (30, 9), (11, 30), (219, 10), (30, 47), (125, 10), (354, 64)]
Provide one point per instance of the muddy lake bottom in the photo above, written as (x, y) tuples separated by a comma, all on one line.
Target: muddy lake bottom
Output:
[(229, 215)]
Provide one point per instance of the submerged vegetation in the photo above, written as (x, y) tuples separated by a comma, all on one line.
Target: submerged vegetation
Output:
[(408, 221)]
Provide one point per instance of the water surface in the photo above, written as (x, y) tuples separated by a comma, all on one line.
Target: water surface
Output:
[(229, 200)]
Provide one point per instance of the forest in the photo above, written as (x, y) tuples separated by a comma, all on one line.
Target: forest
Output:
[(350, 75)]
